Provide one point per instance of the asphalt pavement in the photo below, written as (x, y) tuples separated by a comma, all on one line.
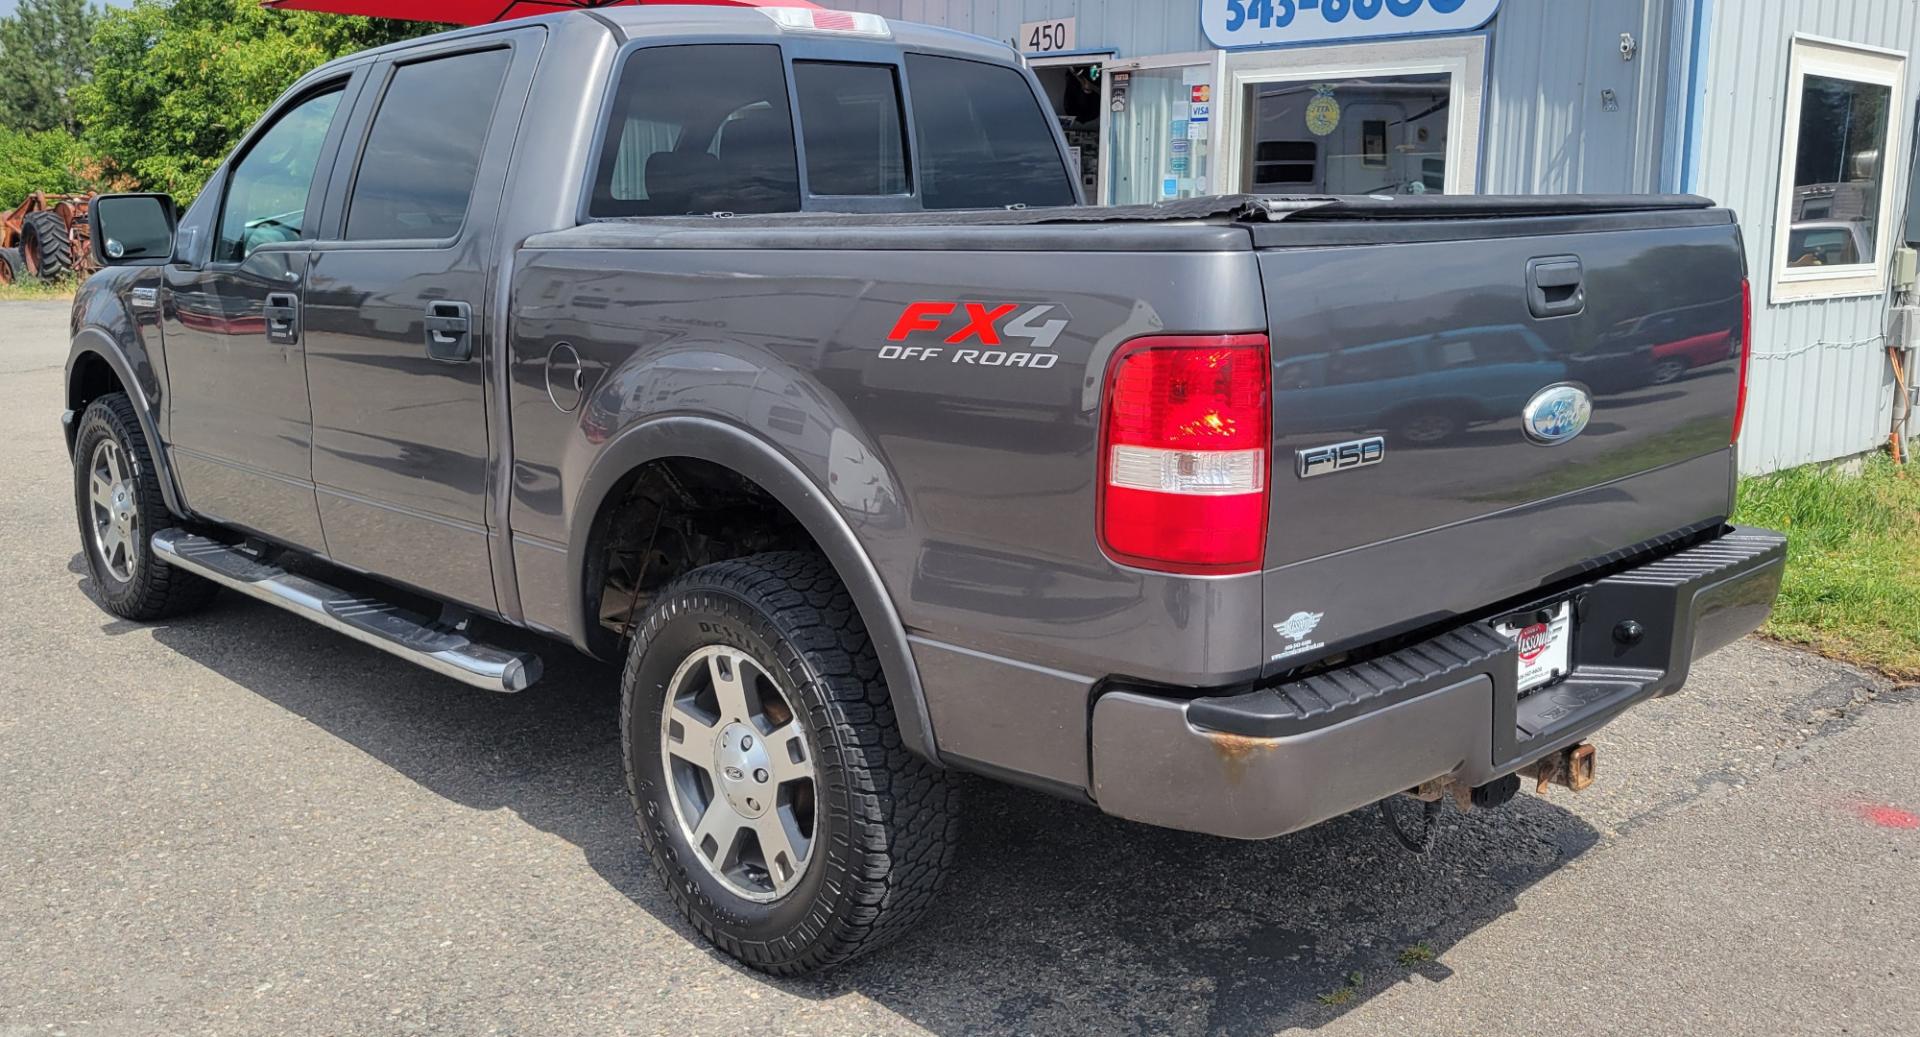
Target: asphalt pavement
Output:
[(238, 823)]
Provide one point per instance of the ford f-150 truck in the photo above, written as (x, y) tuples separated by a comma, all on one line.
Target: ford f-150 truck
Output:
[(775, 353)]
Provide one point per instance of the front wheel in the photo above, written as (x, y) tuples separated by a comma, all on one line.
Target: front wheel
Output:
[(772, 790), (116, 496)]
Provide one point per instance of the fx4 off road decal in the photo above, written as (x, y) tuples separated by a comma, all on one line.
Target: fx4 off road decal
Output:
[(986, 334)]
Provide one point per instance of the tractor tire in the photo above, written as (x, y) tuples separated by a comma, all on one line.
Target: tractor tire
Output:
[(49, 251), (13, 267)]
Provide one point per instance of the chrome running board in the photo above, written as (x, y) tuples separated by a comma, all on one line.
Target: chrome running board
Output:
[(382, 624)]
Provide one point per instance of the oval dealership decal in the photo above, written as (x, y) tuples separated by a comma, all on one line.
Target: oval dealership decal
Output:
[(1556, 413)]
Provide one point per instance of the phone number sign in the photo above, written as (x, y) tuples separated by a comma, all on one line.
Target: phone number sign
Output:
[(1275, 23)]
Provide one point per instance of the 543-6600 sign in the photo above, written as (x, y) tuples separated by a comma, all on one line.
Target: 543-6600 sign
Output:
[(1266, 23)]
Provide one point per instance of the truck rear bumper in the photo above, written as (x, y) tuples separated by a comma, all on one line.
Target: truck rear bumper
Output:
[(1274, 760)]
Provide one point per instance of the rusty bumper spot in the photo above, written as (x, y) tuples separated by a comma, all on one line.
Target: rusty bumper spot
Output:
[(1572, 767), (1236, 751)]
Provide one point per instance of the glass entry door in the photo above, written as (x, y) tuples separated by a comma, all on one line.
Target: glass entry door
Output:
[(1160, 125)]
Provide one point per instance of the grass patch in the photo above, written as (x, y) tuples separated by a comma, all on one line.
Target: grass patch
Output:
[(1344, 995), (38, 291), (1418, 954), (1852, 586)]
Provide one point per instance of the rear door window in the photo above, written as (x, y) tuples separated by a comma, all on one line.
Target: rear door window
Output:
[(423, 152), (699, 129), (850, 122), (985, 141)]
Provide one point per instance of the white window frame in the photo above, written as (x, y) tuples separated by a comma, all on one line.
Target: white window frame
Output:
[(1462, 58), (1858, 63)]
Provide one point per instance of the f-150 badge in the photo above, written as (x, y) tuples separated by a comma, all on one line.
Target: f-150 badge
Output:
[(986, 326)]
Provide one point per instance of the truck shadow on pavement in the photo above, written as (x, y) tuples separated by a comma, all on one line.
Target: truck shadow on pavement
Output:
[(1057, 917)]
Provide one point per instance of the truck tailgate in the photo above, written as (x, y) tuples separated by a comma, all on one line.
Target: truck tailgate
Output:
[(1428, 340)]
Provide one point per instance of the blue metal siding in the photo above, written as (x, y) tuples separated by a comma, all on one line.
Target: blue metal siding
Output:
[(1820, 386), (1132, 28), (1547, 130)]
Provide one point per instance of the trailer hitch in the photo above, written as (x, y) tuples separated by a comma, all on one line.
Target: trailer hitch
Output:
[(1572, 767)]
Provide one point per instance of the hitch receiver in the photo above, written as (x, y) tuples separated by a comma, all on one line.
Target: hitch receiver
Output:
[(1572, 767)]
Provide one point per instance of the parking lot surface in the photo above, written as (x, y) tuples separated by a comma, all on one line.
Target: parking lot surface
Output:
[(238, 823)]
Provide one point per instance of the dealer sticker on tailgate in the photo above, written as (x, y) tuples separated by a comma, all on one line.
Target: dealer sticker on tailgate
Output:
[(1545, 647)]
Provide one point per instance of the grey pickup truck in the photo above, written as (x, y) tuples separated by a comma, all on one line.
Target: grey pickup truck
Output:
[(774, 353)]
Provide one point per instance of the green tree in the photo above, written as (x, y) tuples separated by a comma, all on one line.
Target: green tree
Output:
[(45, 54), (177, 82), (50, 160)]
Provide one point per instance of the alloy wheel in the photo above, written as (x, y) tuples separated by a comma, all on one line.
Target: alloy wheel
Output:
[(740, 773), (113, 510)]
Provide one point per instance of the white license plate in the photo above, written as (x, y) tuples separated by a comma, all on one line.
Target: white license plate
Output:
[(1544, 647)]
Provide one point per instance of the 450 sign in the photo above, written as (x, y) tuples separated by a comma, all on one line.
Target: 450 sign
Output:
[(984, 327)]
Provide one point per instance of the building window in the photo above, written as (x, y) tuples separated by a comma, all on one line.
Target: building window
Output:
[(1360, 135), (1383, 117), (1842, 131)]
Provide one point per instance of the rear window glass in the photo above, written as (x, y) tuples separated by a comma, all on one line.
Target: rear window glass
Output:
[(850, 122), (699, 129), (985, 141)]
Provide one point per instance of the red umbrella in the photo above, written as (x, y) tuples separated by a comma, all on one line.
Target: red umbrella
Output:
[(481, 12)]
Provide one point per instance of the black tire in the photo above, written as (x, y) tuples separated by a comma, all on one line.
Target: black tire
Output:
[(886, 821), (150, 588), (48, 250), (13, 267)]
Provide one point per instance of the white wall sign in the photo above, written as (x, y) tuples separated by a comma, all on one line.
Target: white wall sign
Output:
[(1048, 37), (1231, 24)]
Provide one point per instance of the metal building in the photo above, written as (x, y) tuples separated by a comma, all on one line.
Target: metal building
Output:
[(1798, 114)]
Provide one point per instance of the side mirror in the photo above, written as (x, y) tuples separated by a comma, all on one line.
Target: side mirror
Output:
[(131, 229)]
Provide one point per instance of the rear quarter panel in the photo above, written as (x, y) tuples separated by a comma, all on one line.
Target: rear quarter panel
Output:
[(971, 487)]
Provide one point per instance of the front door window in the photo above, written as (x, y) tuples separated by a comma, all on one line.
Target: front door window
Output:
[(267, 193)]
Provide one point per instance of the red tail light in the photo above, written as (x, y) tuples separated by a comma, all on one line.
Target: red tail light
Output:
[(1746, 355), (1185, 428)]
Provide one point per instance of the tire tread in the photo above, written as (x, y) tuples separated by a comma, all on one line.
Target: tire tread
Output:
[(905, 812), (158, 590)]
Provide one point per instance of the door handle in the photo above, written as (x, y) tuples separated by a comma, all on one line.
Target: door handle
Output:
[(448, 331), (282, 311), (1554, 286)]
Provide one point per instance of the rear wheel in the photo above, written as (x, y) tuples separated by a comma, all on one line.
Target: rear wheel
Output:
[(117, 500), (13, 267), (766, 769), (48, 250)]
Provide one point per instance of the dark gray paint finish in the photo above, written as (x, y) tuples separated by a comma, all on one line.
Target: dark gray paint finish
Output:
[(401, 452), (108, 328), (957, 501), (970, 487), (1375, 339)]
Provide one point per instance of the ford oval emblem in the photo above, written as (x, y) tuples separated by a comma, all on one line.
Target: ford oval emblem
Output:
[(1557, 413)]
